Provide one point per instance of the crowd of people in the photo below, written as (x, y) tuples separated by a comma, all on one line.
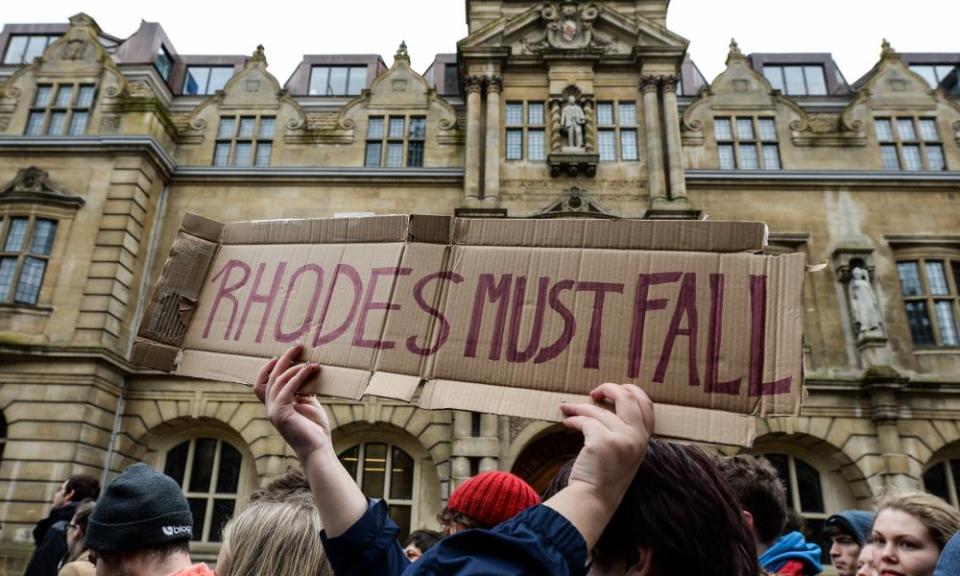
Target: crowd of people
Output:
[(628, 504)]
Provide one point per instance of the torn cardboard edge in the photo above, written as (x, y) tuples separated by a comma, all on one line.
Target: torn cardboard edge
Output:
[(678, 422)]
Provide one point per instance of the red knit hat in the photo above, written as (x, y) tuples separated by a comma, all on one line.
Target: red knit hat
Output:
[(492, 497)]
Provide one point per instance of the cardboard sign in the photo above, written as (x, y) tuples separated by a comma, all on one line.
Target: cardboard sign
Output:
[(499, 316)]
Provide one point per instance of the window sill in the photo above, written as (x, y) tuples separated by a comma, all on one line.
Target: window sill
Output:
[(944, 350), (27, 309)]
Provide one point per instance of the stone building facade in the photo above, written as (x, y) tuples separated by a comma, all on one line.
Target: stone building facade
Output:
[(106, 142)]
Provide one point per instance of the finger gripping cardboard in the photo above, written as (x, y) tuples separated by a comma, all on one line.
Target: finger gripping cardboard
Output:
[(501, 316)]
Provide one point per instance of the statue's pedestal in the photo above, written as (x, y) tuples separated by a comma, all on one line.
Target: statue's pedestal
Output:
[(572, 161)]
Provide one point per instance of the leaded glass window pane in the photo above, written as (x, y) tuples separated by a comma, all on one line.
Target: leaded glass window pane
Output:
[(268, 126), (514, 114), (85, 96), (723, 129), (536, 147), (768, 130), (628, 114), (745, 128), (397, 126), (395, 155), (935, 159), (35, 124), (372, 156), (418, 128), (228, 128), (727, 160), (63, 96), (947, 322), (890, 159), (771, 157), (911, 158), (78, 123), (241, 154), (58, 124), (884, 129), (607, 145), (920, 328), (905, 128), (604, 114), (628, 145), (535, 113), (42, 98), (936, 278), (7, 267), (909, 273), (264, 151), (375, 127), (43, 234), (748, 157), (415, 154), (514, 144), (246, 127), (31, 278), (16, 234), (221, 154), (928, 129)]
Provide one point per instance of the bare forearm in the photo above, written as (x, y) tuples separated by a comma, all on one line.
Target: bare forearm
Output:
[(338, 498)]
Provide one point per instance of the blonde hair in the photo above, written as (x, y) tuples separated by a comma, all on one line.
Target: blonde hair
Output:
[(941, 519), (275, 539)]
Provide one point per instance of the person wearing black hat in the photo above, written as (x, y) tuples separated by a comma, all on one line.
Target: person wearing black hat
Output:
[(848, 532), (142, 527)]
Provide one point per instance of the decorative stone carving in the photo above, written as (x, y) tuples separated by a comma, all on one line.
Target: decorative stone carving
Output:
[(572, 121), (573, 201), (32, 185), (649, 83), (569, 26), (864, 308), (473, 84), (494, 84)]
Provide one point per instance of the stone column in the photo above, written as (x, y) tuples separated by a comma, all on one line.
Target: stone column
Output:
[(589, 131), (884, 407), (651, 117), (460, 463), (489, 426), (555, 138), (671, 126), (473, 85), (491, 180)]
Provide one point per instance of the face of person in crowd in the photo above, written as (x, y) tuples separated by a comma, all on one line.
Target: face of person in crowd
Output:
[(62, 496), (865, 562), (75, 536), (412, 552), (844, 551), (903, 545)]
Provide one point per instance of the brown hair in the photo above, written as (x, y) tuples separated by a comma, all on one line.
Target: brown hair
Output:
[(941, 519), (291, 485), (679, 505), (83, 486), (82, 515), (760, 491)]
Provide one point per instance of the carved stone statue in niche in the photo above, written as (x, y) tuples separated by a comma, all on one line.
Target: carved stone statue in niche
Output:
[(867, 318), (572, 120)]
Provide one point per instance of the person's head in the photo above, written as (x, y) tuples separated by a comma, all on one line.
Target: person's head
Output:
[(419, 542), (77, 531), (292, 484), (761, 494), (279, 538), (848, 532), (866, 566), (486, 500), (795, 523), (142, 525), (678, 516), (77, 488), (910, 531)]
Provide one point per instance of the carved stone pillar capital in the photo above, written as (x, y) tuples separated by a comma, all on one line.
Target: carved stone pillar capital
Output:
[(649, 83), (668, 84), (473, 84), (494, 84)]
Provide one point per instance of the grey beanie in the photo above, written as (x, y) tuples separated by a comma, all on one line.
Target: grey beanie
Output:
[(140, 509), (856, 523)]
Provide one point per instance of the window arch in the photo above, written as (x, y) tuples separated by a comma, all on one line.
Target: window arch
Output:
[(209, 471), (386, 472), (942, 479)]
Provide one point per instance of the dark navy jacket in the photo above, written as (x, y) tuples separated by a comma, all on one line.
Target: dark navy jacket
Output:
[(536, 541)]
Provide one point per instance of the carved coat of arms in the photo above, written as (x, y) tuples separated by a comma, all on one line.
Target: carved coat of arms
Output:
[(569, 26)]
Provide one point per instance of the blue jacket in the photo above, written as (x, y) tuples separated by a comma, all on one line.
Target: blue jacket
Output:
[(949, 564), (788, 547), (536, 541)]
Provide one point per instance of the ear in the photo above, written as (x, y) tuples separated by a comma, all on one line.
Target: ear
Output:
[(68, 495), (749, 518), (644, 565)]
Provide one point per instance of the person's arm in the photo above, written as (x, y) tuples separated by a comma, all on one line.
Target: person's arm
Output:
[(614, 444), (303, 423)]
